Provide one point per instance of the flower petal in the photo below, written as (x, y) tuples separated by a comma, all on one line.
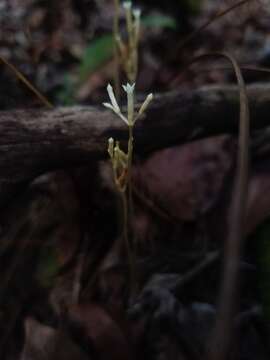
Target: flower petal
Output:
[(110, 146), (137, 13), (108, 105), (112, 98)]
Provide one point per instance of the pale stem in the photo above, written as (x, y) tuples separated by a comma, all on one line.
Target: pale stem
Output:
[(129, 168), (130, 99), (116, 54), (127, 243), (131, 46), (135, 62), (130, 198), (129, 23), (130, 209)]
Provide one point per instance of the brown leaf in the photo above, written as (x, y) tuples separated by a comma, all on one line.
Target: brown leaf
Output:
[(45, 343), (258, 197), (186, 181), (98, 327)]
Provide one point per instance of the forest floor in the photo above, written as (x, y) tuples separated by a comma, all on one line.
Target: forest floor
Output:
[(64, 281)]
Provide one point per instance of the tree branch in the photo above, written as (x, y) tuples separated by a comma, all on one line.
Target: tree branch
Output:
[(36, 141)]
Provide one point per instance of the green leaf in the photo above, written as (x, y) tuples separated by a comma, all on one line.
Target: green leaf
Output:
[(159, 21), (95, 55), (48, 266), (66, 94)]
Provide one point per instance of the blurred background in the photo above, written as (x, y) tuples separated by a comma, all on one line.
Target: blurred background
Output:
[(65, 47), (57, 232)]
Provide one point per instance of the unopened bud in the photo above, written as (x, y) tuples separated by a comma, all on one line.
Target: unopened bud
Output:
[(145, 104)]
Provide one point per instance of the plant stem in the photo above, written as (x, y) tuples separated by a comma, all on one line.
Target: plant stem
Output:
[(131, 61), (135, 62), (116, 53), (127, 243), (132, 240), (133, 48), (129, 169)]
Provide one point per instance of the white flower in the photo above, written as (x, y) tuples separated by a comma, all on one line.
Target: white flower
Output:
[(112, 98), (110, 146), (137, 13), (113, 105), (110, 140), (129, 89), (127, 5), (108, 105), (137, 23)]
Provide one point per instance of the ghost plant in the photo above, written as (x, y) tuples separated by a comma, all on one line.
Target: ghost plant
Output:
[(121, 160)]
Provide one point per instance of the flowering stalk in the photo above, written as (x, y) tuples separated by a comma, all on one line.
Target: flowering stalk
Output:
[(116, 52), (121, 161), (128, 52)]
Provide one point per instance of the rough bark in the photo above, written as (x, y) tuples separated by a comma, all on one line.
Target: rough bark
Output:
[(36, 141)]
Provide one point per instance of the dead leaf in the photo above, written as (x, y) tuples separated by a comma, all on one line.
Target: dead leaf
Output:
[(46, 343), (105, 334), (186, 181)]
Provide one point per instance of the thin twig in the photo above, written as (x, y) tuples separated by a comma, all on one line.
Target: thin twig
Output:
[(222, 334), (23, 79)]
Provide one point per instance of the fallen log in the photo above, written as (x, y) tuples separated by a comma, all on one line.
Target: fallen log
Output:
[(36, 141)]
